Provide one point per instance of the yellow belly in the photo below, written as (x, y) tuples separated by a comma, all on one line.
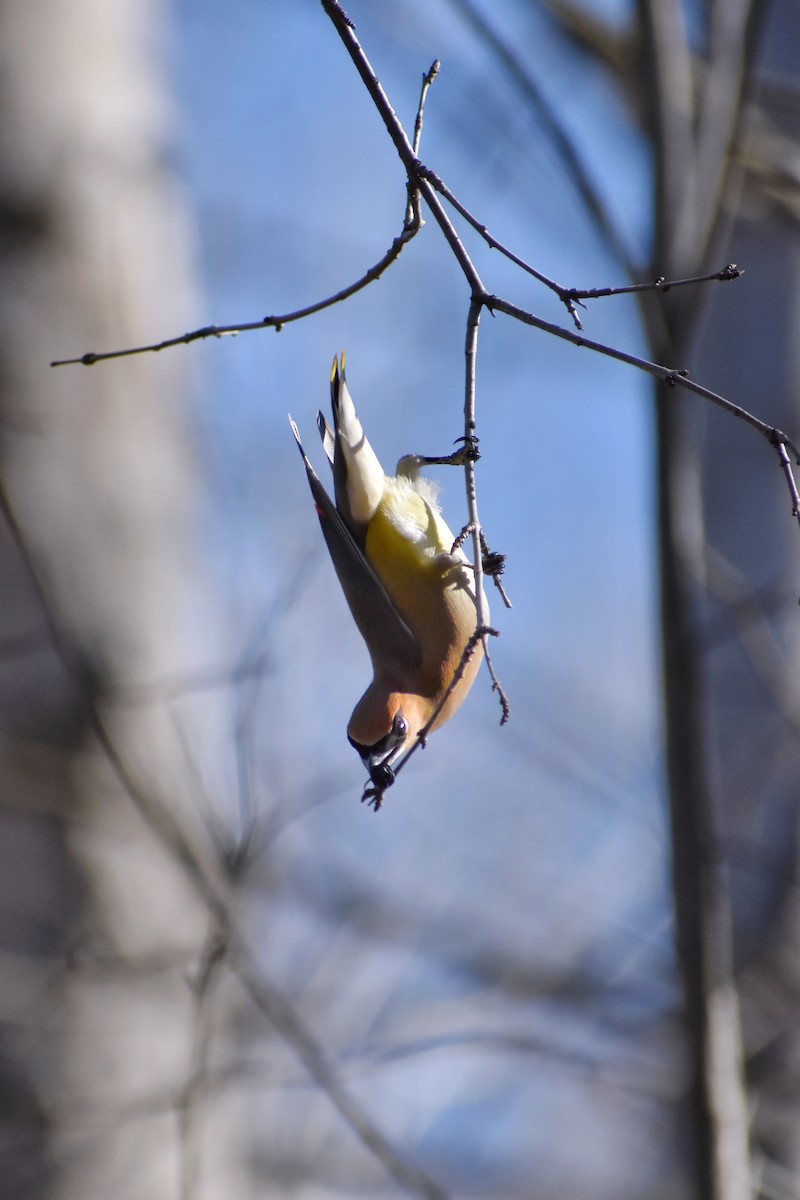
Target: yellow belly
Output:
[(409, 544)]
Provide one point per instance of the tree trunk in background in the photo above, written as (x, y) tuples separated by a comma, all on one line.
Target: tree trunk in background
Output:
[(700, 875), (693, 123), (733, 752), (99, 924), (748, 346)]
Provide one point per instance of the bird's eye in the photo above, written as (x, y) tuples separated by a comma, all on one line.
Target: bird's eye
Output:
[(400, 725)]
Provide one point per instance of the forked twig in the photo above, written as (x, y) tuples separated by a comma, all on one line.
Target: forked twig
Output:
[(569, 296)]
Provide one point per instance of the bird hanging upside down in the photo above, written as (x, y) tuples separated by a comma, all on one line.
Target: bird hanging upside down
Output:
[(410, 588)]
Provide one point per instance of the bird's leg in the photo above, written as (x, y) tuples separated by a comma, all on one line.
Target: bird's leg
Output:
[(462, 537), (469, 452), (409, 465), (373, 796), (493, 562)]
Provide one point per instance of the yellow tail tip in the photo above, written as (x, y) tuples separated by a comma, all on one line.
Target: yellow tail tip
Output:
[(336, 368)]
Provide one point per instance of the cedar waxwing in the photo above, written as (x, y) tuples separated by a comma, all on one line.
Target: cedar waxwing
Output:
[(410, 589)]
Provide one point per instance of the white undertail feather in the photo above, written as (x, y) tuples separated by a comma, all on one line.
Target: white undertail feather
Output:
[(365, 475)]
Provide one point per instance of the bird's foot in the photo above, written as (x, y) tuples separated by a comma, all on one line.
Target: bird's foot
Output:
[(469, 452)]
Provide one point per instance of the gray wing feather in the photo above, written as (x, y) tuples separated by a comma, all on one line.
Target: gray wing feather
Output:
[(379, 623)]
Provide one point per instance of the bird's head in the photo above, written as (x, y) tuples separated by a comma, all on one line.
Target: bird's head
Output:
[(382, 727)]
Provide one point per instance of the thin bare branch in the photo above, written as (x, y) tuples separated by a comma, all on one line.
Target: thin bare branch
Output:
[(374, 794), (674, 377), (494, 564), (570, 295), (413, 215), (479, 227), (780, 443), (427, 80), (731, 271), (470, 425), (414, 168), (411, 226)]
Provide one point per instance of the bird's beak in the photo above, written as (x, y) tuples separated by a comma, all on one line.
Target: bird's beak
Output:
[(378, 761), (380, 770)]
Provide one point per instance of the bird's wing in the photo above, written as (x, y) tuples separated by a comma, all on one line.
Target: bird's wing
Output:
[(328, 437), (387, 635)]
